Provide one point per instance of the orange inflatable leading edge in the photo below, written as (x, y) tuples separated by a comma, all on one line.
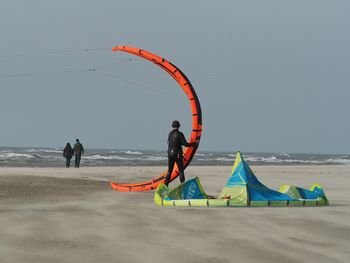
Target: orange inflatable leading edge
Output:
[(187, 87)]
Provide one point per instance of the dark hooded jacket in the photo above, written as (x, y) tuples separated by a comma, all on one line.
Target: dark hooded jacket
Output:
[(176, 140), (68, 151)]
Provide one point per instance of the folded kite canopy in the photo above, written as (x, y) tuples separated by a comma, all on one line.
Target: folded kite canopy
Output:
[(241, 189)]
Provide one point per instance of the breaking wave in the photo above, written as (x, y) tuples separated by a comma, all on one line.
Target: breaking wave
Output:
[(52, 157), (133, 152), (11, 155)]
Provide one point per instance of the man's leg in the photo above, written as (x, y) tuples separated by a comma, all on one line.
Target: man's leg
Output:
[(171, 163), (180, 165), (78, 162)]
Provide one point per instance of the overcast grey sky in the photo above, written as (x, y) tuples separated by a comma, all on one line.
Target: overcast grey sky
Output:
[(271, 76)]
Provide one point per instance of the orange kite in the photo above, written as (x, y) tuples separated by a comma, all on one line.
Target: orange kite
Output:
[(187, 87)]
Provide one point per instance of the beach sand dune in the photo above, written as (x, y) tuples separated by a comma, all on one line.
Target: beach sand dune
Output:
[(71, 215)]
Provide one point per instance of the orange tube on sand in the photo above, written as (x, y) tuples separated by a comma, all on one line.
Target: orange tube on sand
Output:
[(187, 87)]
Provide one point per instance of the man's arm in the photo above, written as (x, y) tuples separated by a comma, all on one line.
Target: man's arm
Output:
[(185, 143)]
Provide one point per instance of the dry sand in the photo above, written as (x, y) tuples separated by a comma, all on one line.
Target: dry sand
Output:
[(71, 215)]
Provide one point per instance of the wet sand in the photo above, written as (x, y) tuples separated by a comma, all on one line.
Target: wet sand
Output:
[(71, 215)]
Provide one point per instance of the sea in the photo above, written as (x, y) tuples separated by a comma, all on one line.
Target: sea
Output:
[(53, 157)]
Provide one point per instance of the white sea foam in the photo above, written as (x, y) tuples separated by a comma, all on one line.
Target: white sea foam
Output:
[(275, 160), (283, 159), (223, 159), (12, 155), (155, 158), (271, 159), (42, 150), (109, 157), (301, 161), (285, 154), (51, 151), (133, 152), (339, 160), (5, 151)]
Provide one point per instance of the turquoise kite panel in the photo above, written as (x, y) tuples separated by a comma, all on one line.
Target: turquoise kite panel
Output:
[(307, 194), (191, 189), (262, 193), (243, 175)]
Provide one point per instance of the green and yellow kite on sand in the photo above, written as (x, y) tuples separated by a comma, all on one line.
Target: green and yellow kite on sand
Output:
[(241, 189)]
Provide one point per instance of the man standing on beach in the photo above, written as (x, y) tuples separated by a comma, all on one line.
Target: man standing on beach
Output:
[(78, 151), (176, 140)]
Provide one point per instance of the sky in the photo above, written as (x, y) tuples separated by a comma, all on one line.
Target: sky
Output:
[(271, 76)]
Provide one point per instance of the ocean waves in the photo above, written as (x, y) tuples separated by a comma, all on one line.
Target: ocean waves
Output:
[(53, 157), (13, 156)]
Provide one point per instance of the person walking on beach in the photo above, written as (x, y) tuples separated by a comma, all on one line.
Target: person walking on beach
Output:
[(68, 154), (78, 151), (176, 140)]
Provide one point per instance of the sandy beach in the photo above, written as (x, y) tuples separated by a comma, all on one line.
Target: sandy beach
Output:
[(72, 215)]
